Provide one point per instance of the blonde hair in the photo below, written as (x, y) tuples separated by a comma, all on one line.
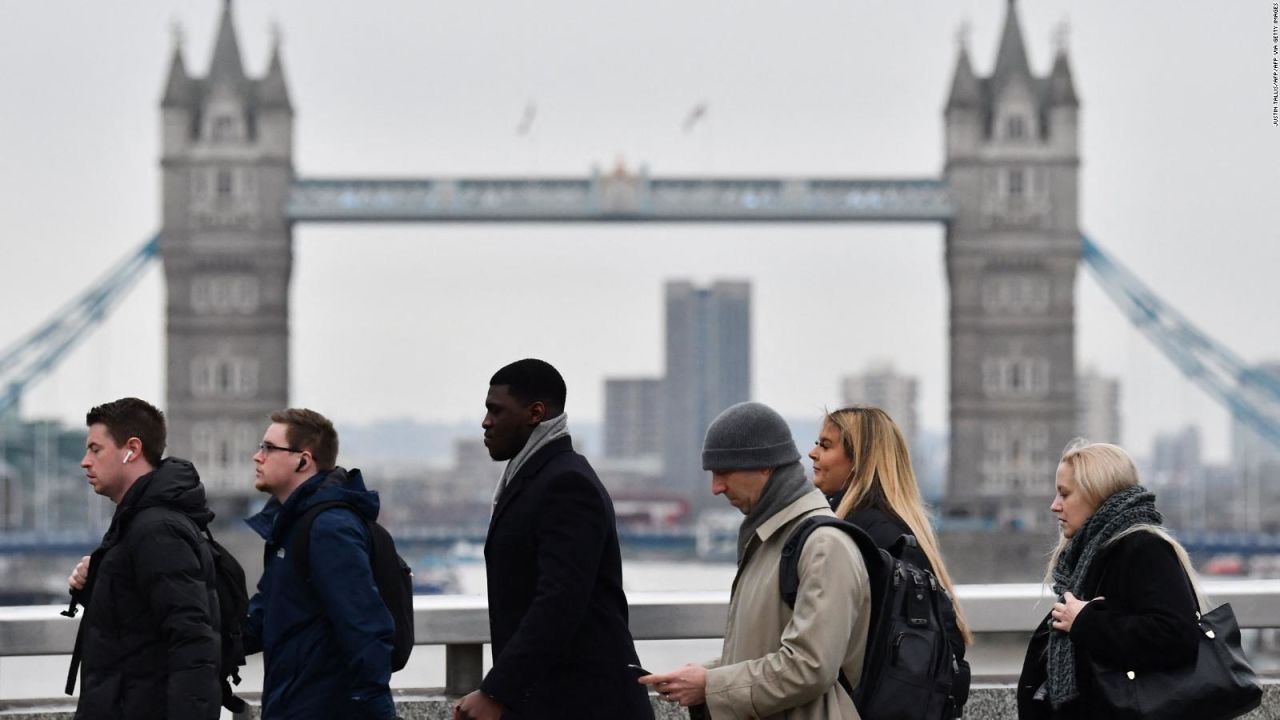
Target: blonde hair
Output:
[(882, 478), (1101, 470)]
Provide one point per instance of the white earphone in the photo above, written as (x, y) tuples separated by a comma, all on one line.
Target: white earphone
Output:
[(126, 458)]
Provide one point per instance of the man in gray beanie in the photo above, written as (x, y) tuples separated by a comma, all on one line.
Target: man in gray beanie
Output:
[(777, 660)]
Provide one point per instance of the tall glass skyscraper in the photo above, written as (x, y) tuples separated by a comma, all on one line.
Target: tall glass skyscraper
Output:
[(708, 369)]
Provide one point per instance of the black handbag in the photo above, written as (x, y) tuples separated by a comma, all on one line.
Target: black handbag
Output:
[(1220, 685)]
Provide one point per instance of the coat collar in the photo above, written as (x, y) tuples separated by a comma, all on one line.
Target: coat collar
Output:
[(532, 466), (535, 463), (275, 517), (810, 501)]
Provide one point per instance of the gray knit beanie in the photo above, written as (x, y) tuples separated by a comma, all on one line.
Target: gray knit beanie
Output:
[(748, 436)]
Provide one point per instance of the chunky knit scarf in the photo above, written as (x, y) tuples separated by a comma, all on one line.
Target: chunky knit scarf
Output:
[(1129, 507)]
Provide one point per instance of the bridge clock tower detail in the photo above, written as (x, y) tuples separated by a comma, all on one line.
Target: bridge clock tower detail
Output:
[(227, 166), (1012, 250)]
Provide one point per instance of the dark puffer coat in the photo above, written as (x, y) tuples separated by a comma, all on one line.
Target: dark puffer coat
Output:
[(326, 641), (149, 638)]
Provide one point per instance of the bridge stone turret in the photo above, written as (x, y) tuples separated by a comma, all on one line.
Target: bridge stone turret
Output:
[(227, 165), (1011, 254)]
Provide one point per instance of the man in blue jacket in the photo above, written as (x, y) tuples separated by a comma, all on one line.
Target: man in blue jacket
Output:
[(326, 638)]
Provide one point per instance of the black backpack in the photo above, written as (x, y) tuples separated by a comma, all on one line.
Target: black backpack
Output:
[(233, 608), (914, 668), (391, 574)]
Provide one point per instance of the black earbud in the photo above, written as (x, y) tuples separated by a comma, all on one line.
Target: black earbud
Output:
[(302, 462)]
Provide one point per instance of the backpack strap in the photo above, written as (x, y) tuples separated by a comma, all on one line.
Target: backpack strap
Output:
[(300, 547), (74, 670), (78, 597), (789, 567), (907, 548)]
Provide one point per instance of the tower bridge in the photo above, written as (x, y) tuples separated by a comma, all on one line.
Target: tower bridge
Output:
[(1007, 196)]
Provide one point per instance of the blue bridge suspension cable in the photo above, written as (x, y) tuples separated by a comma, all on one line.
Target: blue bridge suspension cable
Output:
[(32, 357), (1244, 391)]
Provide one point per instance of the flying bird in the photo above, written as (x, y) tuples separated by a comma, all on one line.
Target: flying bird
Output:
[(526, 120), (696, 114)]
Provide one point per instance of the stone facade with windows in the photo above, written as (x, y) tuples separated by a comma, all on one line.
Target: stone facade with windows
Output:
[(227, 247), (1013, 247)]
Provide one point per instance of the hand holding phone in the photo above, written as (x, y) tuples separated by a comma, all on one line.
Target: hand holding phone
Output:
[(685, 685)]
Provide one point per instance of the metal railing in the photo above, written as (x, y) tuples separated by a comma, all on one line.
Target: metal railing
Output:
[(461, 622)]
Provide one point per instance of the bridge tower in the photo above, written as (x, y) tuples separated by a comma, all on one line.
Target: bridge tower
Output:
[(227, 163), (1011, 253)]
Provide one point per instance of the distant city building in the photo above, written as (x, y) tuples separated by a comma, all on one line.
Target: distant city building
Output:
[(882, 387), (1227, 506), (632, 417), (457, 496), (708, 369), (1175, 457), (42, 487), (1258, 464), (1098, 407), (929, 459), (11, 504), (1177, 476)]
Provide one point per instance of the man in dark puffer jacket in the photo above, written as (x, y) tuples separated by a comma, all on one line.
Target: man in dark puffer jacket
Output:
[(149, 642)]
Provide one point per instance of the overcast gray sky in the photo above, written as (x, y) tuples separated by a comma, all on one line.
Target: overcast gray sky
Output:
[(1180, 180)]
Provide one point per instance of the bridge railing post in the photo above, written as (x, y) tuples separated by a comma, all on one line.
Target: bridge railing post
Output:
[(463, 667)]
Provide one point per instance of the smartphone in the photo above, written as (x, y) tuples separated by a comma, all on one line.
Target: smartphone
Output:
[(639, 671)]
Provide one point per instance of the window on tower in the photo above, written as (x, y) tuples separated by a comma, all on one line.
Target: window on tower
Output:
[(224, 127), (225, 185), (222, 375), (1015, 127), (1019, 293), (1016, 186), (1016, 455), (225, 294), (1015, 376)]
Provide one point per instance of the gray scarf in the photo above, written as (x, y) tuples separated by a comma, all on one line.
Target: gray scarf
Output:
[(546, 432), (1123, 510), (786, 485)]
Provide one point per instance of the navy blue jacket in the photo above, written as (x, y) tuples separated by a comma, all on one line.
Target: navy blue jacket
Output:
[(326, 642), (557, 611)]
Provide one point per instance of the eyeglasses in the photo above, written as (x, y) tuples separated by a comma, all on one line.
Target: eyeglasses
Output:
[(265, 448)]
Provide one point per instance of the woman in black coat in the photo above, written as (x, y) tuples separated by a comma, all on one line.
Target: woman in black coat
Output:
[(1125, 592), (861, 463)]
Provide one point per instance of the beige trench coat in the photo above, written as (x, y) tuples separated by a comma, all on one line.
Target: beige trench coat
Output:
[(780, 664)]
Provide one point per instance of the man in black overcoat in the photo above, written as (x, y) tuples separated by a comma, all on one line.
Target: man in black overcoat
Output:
[(557, 612)]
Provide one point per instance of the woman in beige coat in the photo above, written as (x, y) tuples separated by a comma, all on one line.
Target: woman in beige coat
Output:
[(777, 661)]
